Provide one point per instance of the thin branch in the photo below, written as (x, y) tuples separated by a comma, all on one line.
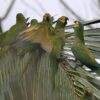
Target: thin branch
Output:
[(71, 11), (8, 10), (6, 14), (31, 7)]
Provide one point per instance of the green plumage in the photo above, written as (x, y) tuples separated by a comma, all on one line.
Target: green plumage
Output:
[(88, 94), (58, 41), (58, 38), (49, 38), (39, 34), (13, 32), (34, 22), (80, 51), (2, 38), (29, 47)]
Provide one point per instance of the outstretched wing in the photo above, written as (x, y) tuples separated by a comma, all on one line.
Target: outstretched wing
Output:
[(38, 34)]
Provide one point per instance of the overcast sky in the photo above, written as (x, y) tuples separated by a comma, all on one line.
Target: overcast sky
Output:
[(86, 9)]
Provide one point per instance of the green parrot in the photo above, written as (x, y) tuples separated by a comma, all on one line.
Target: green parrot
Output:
[(58, 38), (13, 32), (58, 43), (39, 33), (80, 51), (34, 22), (88, 94), (38, 37), (8, 38), (50, 39)]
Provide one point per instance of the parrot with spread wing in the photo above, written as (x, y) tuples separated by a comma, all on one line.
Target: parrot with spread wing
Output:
[(39, 34), (50, 39), (24, 47)]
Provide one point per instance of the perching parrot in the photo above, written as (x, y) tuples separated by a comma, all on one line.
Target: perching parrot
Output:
[(13, 32), (48, 37), (58, 42), (2, 37), (80, 51), (39, 34), (29, 47), (7, 38)]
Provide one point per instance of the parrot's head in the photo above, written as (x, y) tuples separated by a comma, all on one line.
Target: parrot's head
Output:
[(34, 21), (88, 91), (78, 26), (20, 18), (79, 30), (47, 18), (63, 20)]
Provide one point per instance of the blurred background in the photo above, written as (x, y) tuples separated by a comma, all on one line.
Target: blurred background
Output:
[(82, 10)]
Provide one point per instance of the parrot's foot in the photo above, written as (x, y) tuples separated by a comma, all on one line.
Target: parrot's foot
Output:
[(77, 64)]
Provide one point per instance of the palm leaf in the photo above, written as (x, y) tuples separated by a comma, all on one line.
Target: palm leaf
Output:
[(30, 77), (36, 79)]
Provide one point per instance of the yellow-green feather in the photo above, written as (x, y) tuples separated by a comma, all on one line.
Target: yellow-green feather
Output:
[(81, 52)]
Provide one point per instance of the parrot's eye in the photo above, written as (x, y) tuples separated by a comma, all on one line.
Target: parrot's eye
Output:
[(76, 24)]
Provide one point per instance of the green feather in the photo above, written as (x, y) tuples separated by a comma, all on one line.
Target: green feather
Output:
[(13, 32), (58, 42), (34, 22), (80, 51), (2, 38), (39, 33), (30, 47)]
